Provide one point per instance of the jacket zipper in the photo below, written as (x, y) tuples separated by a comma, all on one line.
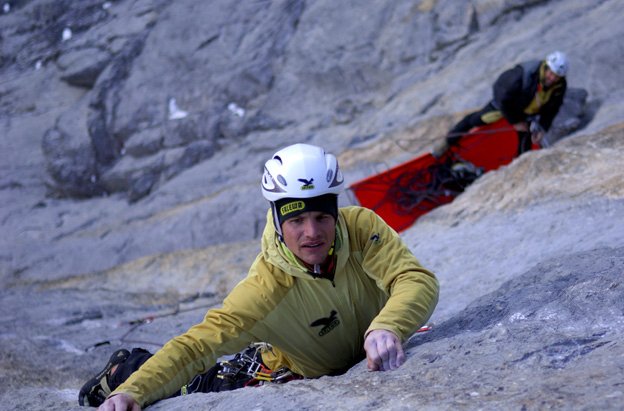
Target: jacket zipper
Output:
[(316, 274)]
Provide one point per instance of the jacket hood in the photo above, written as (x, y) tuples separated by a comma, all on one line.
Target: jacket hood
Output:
[(276, 253)]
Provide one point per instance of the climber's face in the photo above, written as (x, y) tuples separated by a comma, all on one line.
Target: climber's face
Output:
[(550, 78)]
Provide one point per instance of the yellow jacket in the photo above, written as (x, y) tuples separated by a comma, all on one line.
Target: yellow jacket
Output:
[(316, 326)]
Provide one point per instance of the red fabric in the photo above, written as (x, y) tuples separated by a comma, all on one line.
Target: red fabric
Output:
[(490, 147)]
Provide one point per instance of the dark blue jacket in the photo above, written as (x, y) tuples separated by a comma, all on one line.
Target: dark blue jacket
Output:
[(515, 88)]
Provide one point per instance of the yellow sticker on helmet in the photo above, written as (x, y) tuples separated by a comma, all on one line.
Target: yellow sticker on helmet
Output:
[(292, 207)]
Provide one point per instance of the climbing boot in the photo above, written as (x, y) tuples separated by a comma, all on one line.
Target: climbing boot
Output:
[(95, 391)]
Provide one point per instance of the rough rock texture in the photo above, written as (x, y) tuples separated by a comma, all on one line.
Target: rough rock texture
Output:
[(132, 136)]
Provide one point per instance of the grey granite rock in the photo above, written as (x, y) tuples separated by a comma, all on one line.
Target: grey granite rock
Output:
[(116, 207)]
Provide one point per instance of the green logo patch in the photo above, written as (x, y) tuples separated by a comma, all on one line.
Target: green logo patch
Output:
[(307, 184), (292, 207)]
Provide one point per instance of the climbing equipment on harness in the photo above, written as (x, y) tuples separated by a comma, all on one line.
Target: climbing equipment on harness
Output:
[(248, 365)]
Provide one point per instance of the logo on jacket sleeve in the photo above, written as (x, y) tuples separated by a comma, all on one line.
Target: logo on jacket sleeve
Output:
[(328, 323)]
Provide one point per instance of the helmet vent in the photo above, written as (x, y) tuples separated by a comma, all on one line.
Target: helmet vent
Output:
[(330, 174), (278, 158), (282, 180)]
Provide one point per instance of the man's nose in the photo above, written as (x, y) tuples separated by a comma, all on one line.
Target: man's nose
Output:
[(311, 228)]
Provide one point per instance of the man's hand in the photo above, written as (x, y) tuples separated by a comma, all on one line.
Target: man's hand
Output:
[(119, 402), (521, 126), (537, 136), (537, 131), (384, 351)]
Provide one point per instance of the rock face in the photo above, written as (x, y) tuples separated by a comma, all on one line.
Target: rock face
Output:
[(161, 95), (133, 133)]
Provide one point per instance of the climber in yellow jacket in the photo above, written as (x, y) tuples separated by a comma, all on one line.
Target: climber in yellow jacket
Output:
[(330, 287)]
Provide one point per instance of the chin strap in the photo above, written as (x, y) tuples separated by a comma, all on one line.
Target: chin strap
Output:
[(278, 227)]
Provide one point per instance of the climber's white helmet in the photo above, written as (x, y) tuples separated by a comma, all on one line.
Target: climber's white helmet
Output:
[(301, 178), (557, 61), (301, 171)]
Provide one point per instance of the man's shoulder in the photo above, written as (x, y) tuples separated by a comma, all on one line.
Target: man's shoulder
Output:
[(519, 78), (357, 217), (530, 65), (355, 211), (362, 221), (267, 273), (260, 291)]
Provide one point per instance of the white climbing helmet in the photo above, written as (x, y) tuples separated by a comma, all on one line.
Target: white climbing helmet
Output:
[(557, 61), (301, 171)]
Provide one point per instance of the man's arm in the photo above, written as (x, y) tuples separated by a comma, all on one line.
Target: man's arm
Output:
[(223, 331), (507, 91), (551, 108), (412, 289)]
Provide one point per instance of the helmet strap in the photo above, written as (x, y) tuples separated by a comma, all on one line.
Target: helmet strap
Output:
[(276, 223)]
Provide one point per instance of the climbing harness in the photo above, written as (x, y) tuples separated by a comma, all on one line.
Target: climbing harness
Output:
[(248, 365)]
